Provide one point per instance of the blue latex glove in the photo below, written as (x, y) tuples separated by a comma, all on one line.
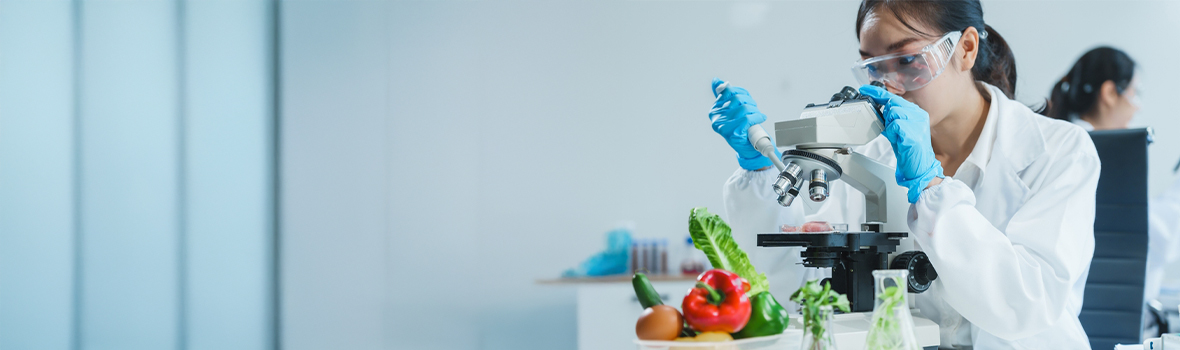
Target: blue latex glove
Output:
[(907, 127), (732, 115)]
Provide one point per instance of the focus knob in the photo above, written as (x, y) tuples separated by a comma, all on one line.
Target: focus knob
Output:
[(922, 272)]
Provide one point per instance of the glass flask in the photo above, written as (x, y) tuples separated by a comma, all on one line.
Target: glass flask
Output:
[(892, 327), (818, 336)]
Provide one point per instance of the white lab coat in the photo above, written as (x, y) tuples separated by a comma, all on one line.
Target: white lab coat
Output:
[(1163, 227), (1011, 235), (1163, 246)]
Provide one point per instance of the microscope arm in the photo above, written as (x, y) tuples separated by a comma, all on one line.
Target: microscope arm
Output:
[(881, 191), (859, 173)]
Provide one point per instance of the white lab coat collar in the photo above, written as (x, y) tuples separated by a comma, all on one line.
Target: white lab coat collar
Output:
[(1018, 137), (1008, 132), (982, 151)]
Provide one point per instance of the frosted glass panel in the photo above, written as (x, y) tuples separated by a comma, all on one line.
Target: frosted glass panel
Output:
[(36, 168), (228, 114), (130, 172)]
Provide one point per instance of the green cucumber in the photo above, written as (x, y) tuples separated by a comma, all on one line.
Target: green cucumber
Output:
[(645, 292)]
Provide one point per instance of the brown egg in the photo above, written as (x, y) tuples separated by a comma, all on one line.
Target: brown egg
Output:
[(660, 322)]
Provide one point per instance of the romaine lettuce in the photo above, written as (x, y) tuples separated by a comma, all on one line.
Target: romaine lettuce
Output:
[(711, 235)]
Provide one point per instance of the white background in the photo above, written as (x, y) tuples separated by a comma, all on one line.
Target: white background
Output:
[(437, 157)]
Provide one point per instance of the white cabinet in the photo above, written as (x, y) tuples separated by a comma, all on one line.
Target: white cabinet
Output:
[(607, 311)]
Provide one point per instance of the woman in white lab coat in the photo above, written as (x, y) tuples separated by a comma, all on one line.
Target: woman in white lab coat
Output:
[(1100, 92), (1002, 197)]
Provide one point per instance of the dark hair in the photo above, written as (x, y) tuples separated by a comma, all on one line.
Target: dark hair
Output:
[(1077, 92), (994, 64)]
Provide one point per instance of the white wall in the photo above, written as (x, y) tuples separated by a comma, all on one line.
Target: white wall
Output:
[(135, 175)]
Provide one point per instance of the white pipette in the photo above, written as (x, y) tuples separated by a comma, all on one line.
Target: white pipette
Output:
[(758, 137)]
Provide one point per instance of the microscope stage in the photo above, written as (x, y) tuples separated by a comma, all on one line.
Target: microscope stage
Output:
[(847, 240)]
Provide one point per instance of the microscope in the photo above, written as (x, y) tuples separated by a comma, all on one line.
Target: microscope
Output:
[(819, 152)]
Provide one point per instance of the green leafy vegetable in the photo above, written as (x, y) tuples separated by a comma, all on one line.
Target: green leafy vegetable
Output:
[(711, 235), (812, 297)]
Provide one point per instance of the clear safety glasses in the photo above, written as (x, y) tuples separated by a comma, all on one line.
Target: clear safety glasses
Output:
[(908, 71)]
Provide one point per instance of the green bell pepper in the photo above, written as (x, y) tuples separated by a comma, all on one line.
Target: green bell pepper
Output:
[(767, 317)]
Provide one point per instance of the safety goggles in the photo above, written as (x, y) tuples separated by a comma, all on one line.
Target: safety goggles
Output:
[(908, 71)]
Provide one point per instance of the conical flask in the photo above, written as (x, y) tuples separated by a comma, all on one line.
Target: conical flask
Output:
[(818, 335), (892, 327)]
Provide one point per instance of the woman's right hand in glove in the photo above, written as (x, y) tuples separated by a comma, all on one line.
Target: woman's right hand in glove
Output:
[(732, 115)]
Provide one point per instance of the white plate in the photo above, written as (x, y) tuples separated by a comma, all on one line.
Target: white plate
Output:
[(788, 340)]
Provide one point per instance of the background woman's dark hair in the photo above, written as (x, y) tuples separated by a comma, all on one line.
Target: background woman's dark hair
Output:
[(993, 65), (1077, 92)]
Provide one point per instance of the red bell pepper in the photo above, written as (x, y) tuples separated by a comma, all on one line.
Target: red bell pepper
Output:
[(718, 303)]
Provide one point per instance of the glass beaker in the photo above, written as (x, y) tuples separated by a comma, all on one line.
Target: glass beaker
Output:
[(817, 331), (892, 327)]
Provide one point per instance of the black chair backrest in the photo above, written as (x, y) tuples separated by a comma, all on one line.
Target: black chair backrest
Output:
[(1112, 310)]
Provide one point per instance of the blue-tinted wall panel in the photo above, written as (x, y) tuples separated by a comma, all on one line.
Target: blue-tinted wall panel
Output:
[(228, 109), (129, 189), (36, 168)]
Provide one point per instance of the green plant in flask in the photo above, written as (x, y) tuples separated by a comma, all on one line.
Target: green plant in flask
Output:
[(892, 327), (817, 304)]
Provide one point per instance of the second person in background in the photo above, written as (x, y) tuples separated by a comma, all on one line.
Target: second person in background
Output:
[(1002, 198), (1100, 92)]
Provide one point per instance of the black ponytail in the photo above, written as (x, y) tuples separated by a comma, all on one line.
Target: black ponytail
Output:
[(1077, 92), (994, 64)]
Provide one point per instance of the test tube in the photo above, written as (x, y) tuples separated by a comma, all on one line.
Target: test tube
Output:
[(664, 256), (634, 256), (654, 258)]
